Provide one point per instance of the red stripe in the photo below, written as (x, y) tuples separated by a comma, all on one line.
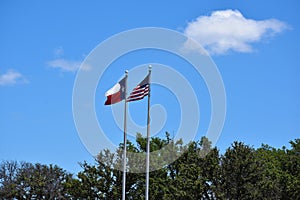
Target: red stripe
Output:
[(114, 98), (136, 99), (139, 93), (139, 90)]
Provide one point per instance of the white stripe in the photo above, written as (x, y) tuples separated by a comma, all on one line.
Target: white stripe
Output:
[(134, 93), (116, 88), (146, 90), (137, 90), (137, 96)]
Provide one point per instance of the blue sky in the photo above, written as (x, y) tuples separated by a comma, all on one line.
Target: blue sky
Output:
[(253, 43)]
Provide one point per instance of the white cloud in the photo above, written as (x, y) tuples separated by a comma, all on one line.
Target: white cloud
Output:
[(229, 30), (12, 77), (64, 64), (67, 65), (191, 45)]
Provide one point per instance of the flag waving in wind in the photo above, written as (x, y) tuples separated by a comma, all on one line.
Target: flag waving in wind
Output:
[(140, 91), (116, 93)]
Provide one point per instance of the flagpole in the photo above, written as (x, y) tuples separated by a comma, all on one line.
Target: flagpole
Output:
[(125, 139), (148, 139)]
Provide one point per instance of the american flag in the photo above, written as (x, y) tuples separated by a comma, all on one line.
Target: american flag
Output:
[(140, 91)]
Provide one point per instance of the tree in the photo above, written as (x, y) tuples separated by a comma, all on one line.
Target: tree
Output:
[(281, 172), (198, 172), (294, 167), (103, 180), (8, 176), (240, 172), (32, 181), (194, 175), (273, 178)]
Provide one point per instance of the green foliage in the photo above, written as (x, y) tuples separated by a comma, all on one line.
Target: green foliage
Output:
[(200, 172), (240, 172), (28, 181), (281, 174)]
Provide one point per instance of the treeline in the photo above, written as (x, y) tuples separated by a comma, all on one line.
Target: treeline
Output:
[(201, 172)]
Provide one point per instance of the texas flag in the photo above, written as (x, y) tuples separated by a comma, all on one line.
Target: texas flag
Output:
[(116, 93)]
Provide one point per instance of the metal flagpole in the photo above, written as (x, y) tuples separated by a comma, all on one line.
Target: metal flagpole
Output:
[(148, 139), (125, 140)]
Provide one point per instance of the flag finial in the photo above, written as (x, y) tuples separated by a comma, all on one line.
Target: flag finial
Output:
[(150, 67), (126, 71)]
